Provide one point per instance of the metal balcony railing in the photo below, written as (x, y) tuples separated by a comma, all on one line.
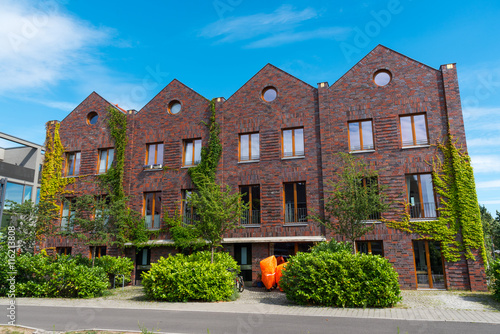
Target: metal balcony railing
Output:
[(152, 223), (423, 210), (293, 215), (250, 217)]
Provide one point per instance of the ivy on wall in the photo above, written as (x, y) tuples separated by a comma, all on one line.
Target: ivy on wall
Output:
[(210, 155), (458, 226), (53, 184)]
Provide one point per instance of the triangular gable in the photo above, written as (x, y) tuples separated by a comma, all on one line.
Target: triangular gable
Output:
[(269, 68), (174, 90), (381, 51), (93, 102)]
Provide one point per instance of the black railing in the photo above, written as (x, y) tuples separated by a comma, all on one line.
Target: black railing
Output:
[(293, 215), (251, 217), (423, 210)]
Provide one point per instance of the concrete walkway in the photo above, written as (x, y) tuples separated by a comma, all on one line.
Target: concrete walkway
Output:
[(416, 305)]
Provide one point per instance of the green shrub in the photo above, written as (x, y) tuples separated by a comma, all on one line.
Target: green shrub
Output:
[(340, 280), (56, 276), (494, 275), (181, 278), (116, 266), (332, 246)]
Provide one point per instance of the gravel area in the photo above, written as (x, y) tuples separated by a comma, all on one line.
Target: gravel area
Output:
[(412, 299)]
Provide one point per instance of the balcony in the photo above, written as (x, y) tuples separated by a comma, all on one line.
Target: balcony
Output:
[(423, 210), (298, 215), (250, 217)]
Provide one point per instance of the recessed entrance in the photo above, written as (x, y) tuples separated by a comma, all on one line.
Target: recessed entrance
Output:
[(243, 255), (429, 264)]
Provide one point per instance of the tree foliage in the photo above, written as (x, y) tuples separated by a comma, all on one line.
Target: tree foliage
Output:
[(355, 196)]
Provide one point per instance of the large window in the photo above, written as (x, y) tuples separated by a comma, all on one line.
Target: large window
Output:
[(371, 182), (192, 152), (414, 130), (370, 247), (154, 154), (105, 159), (17, 193), (67, 214), (421, 196), (360, 136), (188, 212), (72, 163), (295, 202), (249, 147), (293, 142), (251, 196), (152, 209)]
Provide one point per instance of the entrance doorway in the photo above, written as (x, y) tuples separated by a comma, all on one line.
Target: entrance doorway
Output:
[(142, 264), (243, 255), (429, 264)]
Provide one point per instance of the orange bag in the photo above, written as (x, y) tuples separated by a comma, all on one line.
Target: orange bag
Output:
[(279, 272), (268, 269)]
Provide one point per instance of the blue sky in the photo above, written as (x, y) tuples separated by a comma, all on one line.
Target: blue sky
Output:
[(54, 53)]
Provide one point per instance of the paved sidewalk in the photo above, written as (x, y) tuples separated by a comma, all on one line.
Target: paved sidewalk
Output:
[(416, 305)]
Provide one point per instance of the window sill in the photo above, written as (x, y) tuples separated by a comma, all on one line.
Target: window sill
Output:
[(248, 161), (189, 166), (292, 158), (295, 224), (430, 219), (251, 225), (415, 146), (361, 151), (370, 221), (150, 168), (152, 229), (71, 176)]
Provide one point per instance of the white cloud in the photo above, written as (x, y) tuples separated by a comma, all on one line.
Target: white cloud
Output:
[(41, 45), (246, 27), (271, 29), (490, 202), (486, 163), (488, 184), (291, 37), (476, 113), (483, 142)]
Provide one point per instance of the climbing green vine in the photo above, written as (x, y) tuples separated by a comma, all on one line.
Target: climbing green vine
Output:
[(210, 155), (53, 184), (129, 224), (458, 226)]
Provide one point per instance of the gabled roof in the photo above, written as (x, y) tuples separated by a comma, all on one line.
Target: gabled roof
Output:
[(94, 95), (173, 82), (380, 48), (270, 67)]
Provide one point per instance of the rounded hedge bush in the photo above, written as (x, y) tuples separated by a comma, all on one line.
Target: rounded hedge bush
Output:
[(494, 274), (180, 278), (340, 279)]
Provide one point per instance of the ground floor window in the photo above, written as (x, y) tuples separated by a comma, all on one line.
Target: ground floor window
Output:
[(429, 264), (286, 249), (370, 247), (99, 251), (63, 250)]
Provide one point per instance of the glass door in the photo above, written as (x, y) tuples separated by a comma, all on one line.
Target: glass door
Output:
[(429, 264), (243, 255)]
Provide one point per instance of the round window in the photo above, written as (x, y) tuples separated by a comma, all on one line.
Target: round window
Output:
[(382, 78), (92, 118), (269, 94), (174, 107)]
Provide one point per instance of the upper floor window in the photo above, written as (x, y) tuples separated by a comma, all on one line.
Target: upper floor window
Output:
[(372, 182), (293, 142), (189, 215), (295, 202), (192, 152), (360, 136), (73, 163), (414, 130), (67, 214), (249, 147), (105, 159), (154, 154), (152, 209), (421, 196), (251, 196)]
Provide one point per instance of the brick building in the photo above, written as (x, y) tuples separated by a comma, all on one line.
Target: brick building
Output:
[(280, 137)]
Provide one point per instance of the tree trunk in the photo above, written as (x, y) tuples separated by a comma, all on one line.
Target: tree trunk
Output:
[(213, 254), (93, 256)]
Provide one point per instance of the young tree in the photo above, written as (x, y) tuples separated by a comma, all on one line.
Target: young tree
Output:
[(218, 210), (30, 221), (489, 227), (354, 198)]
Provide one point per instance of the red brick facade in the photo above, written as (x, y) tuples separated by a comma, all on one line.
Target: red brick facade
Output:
[(323, 114)]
